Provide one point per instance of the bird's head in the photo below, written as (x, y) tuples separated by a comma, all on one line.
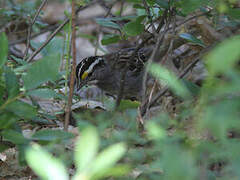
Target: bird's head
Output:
[(85, 71)]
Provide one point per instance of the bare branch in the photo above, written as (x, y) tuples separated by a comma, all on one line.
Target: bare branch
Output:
[(182, 74), (72, 79), (31, 25), (55, 32)]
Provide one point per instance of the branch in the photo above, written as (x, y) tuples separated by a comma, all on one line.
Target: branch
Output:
[(31, 25), (72, 79), (55, 32), (182, 74)]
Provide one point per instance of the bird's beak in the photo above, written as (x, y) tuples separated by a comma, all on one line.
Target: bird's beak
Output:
[(84, 83), (79, 85)]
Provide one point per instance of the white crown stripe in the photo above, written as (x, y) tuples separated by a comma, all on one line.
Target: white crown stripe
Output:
[(89, 70)]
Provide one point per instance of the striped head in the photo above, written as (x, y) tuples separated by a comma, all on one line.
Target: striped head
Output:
[(85, 70)]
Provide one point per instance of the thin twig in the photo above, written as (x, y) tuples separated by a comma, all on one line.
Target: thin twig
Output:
[(23, 39), (69, 105), (55, 32), (31, 25), (121, 8), (141, 45), (123, 74), (193, 17), (182, 74), (149, 15), (48, 40), (153, 55)]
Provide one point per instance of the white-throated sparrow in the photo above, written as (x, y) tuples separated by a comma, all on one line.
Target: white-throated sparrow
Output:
[(105, 72)]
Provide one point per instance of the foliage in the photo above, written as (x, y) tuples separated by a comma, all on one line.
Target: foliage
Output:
[(193, 144), (90, 165)]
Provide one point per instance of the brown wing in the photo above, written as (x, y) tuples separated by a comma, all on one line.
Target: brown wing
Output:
[(122, 58)]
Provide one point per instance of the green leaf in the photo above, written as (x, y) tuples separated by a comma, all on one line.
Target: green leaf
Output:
[(7, 119), (12, 85), (234, 13), (3, 147), (192, 88), (86, 149), (133, 28), (155, 131), (14, 136), (3, 49), (42, 71), (22, 109), (162, 3), (138, 6), (176, 162), (52, 135), (43, 93), (189, 6), (151, 2), (192, 39), (134, 1), (108, 157), (54, 47), (110, 39), (128, 104), (19, 60), (45, 165), (116, 171), (107, 23), (224, 56), (168, 77)]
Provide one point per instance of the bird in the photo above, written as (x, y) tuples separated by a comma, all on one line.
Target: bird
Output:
[(105, 72)]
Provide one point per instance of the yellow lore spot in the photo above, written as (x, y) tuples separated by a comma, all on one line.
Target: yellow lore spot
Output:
[(85, 74)]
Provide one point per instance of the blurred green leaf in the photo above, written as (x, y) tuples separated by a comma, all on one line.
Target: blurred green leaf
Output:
[(134, 28), (221, 117), (52, 135), (168, 77), (138, 6), (110, 39), (134, 1), (107, 23), (22, 109), (7, 119), (14, 136), (55, 46), (3, 147), (44, 93), (189, 6), (116, 171), (151, 2), (224, 56), (155, 131), (42, 71), (162, 3), (128, 104), (50, 167), (192, 87), (108, 157), (234, 13), (12, 85), (3, 49), (19, 60), (86, 149), (192, 39), (177, 162)]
